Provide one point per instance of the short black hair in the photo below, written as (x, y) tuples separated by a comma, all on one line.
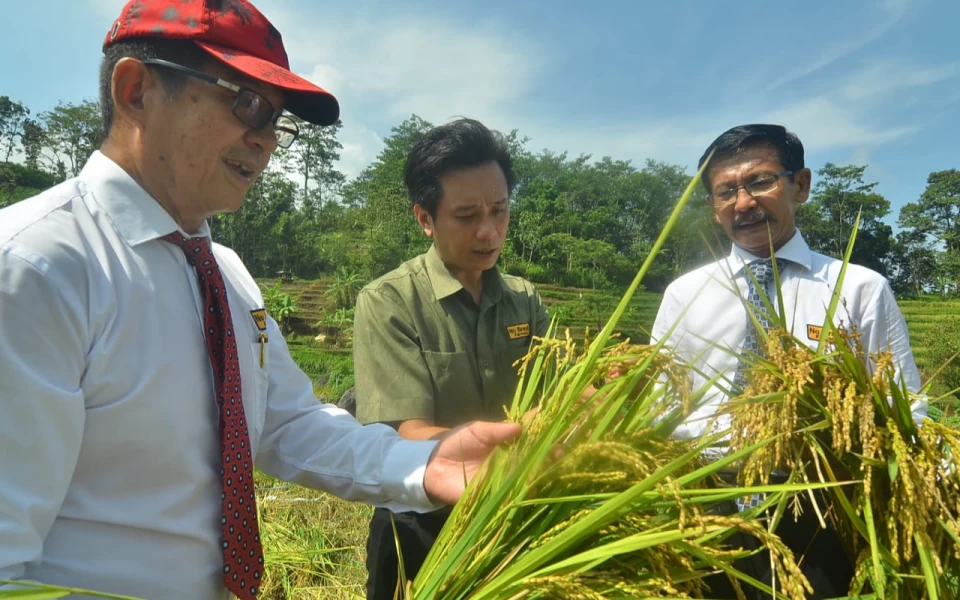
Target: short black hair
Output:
[(183, 52), (742, 137), (459, 144)]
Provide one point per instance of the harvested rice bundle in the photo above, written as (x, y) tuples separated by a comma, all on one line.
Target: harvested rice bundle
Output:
[(835, 419)]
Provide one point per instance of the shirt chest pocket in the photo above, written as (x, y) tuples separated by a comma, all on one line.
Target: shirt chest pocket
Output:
[(249, 326), (256, 388)]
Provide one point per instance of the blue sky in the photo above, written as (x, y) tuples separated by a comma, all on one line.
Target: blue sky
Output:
[(860, 82)]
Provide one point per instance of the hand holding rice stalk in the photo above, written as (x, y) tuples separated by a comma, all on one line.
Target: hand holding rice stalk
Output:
[(833, 420), (625, 512)]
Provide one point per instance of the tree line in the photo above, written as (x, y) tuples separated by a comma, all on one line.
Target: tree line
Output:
[(575, 221)]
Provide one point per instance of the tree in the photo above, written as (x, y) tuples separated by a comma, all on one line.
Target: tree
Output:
[(389, 232), (948, 272), (19, 182), (934, 222), (32, 139), (936, 214), (313, 157), (13, 116), (261, 231), (71, 133), (826, 221), (915, 264), (559, 199)]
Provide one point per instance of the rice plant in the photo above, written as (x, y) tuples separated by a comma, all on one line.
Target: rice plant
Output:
[(835, 419)]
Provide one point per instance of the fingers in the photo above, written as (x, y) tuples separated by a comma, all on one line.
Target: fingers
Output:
[(621, 367), (528, 416), (492, 434), (475, 440)]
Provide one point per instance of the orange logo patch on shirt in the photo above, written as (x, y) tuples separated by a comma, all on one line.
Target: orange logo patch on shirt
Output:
[(814, 332), (518, 331), (260, 318)]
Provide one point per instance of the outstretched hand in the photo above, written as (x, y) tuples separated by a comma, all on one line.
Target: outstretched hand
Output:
[(459, 455)]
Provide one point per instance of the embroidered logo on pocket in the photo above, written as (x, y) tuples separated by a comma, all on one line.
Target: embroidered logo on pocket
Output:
[(516, 332), (260, 318), (814, 332)]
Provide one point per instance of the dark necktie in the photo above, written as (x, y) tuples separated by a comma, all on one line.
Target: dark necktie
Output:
[(242, 551)]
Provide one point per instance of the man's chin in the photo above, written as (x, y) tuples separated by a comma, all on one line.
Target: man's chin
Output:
[(231, 203), (754, 244), (484, 262)]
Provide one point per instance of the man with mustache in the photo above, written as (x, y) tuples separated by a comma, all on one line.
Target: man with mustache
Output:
[(755, 181), (435, 340), (141, 380)]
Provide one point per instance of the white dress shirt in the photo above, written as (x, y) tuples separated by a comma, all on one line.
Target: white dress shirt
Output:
[(708, 307), (108, 423)]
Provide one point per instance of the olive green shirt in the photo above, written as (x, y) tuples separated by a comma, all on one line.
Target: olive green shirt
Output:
[(423, 349)]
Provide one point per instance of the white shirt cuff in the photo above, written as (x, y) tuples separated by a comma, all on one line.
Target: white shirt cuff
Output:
[(403, 471)]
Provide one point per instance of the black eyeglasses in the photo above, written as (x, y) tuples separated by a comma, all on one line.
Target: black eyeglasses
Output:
[(250, 107), (760, 185)]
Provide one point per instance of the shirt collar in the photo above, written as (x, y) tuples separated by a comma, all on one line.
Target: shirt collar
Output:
[(136, 215), (445, 284), (796, 251)]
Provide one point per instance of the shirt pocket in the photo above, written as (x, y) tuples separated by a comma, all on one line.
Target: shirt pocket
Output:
[(457, 397), (256, 397)]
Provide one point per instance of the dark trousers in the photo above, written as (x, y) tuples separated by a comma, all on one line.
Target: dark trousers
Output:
[(417, 532), (819, 551)]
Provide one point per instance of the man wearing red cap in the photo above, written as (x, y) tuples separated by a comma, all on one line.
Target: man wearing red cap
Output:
[(140, 378)]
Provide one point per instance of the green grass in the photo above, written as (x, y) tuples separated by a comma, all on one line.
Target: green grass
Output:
[(332, 366)]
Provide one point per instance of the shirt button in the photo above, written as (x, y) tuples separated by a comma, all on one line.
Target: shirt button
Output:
[(484, 364)]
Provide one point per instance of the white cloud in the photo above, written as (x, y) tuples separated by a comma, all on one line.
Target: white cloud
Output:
[(893, 11), (888, 76), (107, 9), (328, 78), (436, 68), (861, 156), (360, 147), (385, 69), (824, 124)]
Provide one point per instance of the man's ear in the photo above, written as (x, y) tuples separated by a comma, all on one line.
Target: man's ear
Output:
[(803, 180), (133, 88), (425, 219)]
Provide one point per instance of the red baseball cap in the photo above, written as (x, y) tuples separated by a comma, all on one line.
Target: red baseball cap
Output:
[(234, 32)]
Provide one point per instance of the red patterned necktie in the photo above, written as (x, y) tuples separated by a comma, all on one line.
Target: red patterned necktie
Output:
[(242, 552)]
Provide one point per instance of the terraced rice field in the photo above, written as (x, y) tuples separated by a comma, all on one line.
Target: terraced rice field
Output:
[(582, 308), (922, 318)]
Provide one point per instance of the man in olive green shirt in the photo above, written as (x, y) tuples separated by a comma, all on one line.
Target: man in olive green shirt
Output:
[(435, 340)]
